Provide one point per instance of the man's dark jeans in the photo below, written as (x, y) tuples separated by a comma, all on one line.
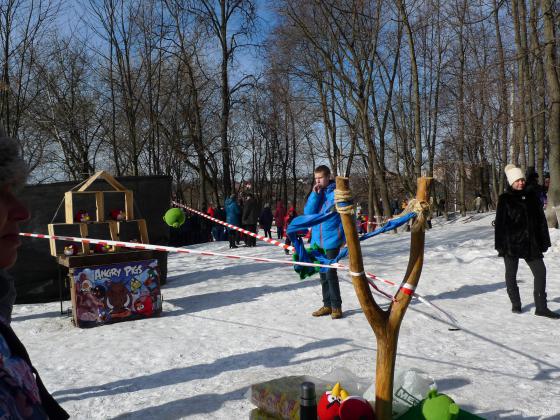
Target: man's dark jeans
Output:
[(329, 284)]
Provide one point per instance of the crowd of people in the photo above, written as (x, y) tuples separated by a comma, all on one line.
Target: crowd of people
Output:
[(241, 210)]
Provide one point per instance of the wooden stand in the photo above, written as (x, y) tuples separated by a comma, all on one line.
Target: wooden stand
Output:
[(385, 324), (113, 226), (98, 300)]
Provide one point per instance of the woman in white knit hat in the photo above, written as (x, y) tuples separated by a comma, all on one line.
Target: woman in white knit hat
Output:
[(22, 393), (521, 231)]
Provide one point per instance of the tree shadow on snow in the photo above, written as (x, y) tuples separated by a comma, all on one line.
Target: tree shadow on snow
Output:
[(200, 276), (447, 384), (180, 409), (466, 291), (53, 314), (505, 414), (267, 358), (547, 371), (206, 301)]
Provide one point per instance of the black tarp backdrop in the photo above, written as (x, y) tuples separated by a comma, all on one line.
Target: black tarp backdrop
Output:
[(36, 271)]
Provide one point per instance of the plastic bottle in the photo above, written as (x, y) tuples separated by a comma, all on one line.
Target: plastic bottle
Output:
[(308, 402)]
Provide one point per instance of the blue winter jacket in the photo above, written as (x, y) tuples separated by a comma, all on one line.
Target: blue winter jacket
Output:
[(329, 234), (233, 212)]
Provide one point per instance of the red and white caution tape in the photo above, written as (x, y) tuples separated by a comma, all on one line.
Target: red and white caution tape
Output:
[(246, 232), (407, 289), (163, 248)]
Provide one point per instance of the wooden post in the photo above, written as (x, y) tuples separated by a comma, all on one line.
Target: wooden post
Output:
[(68, 207), (385, 324), (100, 206)]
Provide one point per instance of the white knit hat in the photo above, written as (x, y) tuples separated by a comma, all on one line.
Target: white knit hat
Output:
[(513, 173), (13, 169)]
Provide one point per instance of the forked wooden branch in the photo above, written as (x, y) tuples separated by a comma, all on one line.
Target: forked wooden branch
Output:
[(385, 324)]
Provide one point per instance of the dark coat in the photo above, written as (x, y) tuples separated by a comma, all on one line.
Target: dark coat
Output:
[(265, 219), (521, 230), (250, 212)]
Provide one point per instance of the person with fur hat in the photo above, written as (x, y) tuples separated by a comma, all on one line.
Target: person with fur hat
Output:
[(521, 231), (22, 393)]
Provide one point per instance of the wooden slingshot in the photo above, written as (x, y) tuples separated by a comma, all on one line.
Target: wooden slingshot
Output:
[(385, 324)]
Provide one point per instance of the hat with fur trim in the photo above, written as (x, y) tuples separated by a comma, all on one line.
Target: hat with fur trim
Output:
[(13, 169), (513, 173)]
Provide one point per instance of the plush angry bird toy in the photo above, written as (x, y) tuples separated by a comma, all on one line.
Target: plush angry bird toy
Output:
[(439, 407), (71, 249), (338, 405), (82, 216), (174, 217), (101, 248), (116, 214)]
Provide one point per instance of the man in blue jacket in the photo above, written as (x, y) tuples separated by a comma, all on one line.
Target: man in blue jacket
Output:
[(233, 217), (329, 236)]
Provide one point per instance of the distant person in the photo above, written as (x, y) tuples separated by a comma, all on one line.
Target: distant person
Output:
[(22, 393), (220, 214), (233, 217), (279, 215), (329, 236), (441, 207), (395, 206), (521, 231), (249, 218), (291, 214), (478, 202), (546, 184), (265, 220)]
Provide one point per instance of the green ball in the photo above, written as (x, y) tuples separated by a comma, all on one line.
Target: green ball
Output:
[(174, 217)]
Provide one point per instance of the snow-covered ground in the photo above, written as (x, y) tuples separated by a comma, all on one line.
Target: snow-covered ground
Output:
[(228, 324)]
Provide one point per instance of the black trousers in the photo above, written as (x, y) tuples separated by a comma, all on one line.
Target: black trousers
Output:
[(537, 268)]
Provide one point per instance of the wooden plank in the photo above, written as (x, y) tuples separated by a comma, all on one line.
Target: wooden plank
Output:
[(52, 242), (113, 182), (68, 207), (143, 231), (114, 231), (73, 296), (90, 181), (103, 259), (100, 206), (128, 205), (84, 234)]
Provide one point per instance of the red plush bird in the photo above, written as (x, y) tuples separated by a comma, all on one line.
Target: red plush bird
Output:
[(116, 214), (71, 249), (82, 216), (102, 248), (338, 405)]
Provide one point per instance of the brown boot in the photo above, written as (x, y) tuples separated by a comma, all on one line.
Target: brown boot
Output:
[(336, 313), (325, 310)]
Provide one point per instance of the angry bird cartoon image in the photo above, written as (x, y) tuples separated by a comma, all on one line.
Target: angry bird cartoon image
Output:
[(118, 299), (135, 285), (144, 306)]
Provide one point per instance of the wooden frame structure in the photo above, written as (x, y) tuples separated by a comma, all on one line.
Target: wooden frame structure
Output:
[(385, 324), (114, 226)]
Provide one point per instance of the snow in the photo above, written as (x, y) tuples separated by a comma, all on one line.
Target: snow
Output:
[(228, 324)]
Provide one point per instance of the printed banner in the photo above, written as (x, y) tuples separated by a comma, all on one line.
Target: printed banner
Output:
[(116, 292)]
